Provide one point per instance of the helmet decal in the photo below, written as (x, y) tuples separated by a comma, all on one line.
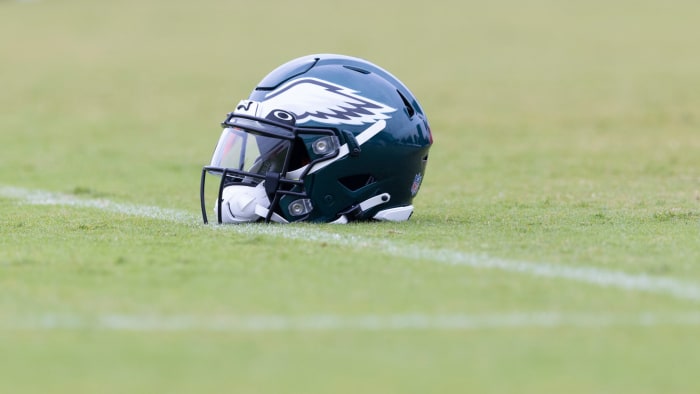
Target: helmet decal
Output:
[(312, 99), (416, 184)]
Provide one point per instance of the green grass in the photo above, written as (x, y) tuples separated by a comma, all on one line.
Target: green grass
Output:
[(565, 133)]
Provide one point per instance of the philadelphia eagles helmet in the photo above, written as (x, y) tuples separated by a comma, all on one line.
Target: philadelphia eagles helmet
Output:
[(322, 138)]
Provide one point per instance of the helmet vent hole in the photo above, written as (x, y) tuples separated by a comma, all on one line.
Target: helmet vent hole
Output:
[(359, 70), (409, 107), (356, 182)]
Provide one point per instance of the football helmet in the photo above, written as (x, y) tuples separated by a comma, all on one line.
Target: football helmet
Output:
[(322, 138)]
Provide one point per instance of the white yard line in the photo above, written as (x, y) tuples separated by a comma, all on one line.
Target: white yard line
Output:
[(681, 289), (330, 322)]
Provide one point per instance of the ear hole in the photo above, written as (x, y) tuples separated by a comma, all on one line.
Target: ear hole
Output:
[(356, 182), (409, 107), (300, 157)]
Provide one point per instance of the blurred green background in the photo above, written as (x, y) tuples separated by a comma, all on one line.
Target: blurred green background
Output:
[(565, 132)]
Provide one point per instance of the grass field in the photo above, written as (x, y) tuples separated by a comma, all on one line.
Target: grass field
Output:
[(554, 249)]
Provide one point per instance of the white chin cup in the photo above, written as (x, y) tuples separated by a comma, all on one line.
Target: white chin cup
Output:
[(239, 203)]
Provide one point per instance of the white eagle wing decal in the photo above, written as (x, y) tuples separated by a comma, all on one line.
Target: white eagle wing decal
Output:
[(311, 99)]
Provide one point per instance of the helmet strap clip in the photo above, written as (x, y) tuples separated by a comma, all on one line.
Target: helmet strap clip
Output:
[(353, 146), (356, 210)]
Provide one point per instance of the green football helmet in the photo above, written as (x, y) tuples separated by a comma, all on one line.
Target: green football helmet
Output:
[(322, 138)]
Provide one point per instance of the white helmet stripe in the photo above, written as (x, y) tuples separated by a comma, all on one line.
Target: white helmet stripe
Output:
[(363, 137)]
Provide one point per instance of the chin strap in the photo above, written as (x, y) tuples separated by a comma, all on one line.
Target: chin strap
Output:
[(362, 207), (246, 204), (263, 212)]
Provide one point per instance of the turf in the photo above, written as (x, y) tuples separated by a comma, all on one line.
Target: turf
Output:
[(565, 134)]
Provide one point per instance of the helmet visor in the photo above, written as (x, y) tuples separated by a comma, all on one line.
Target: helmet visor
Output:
[(254, 153)]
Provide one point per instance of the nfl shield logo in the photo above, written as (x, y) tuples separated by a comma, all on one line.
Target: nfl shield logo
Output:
[(416, 184)]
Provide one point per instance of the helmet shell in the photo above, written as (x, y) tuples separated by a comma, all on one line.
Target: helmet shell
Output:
[(336, 138), (392, 161)]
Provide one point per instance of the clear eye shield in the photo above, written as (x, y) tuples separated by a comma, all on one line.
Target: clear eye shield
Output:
[(256, 152), (247, 152)]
